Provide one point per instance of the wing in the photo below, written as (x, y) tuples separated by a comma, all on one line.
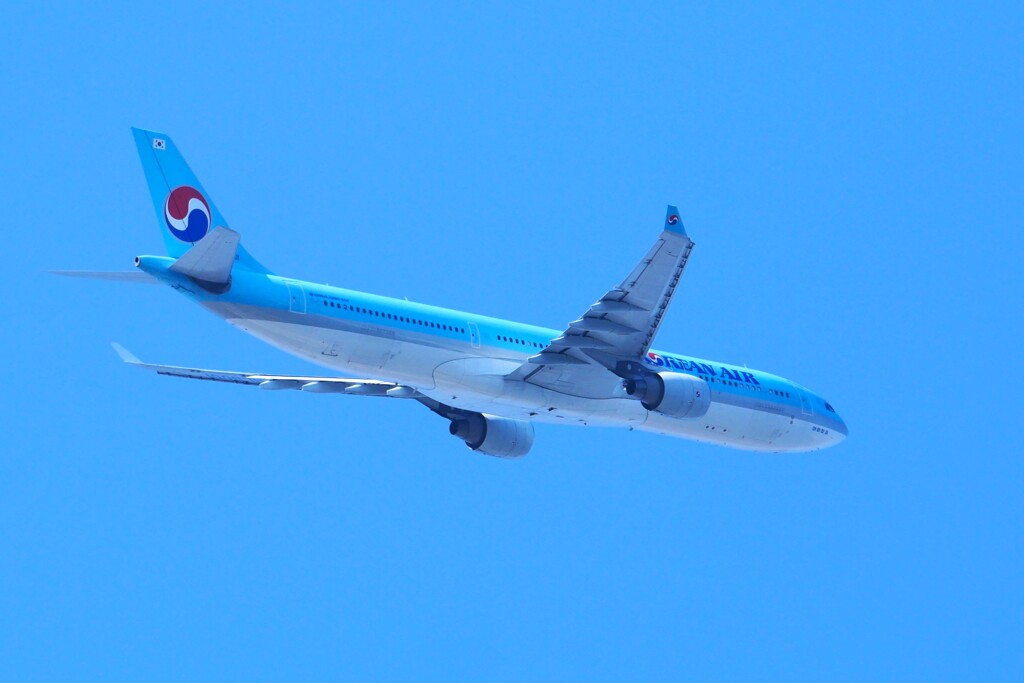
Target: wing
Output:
[(618, 329), (318, 385)]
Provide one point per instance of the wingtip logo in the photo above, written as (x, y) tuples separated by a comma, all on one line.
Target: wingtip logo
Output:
[(673, 219), (187, 214)]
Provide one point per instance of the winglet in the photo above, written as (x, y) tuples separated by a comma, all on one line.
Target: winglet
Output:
[(126, 355), (673, 223)]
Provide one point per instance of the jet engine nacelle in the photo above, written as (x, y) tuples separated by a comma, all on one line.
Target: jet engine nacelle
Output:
[(497, 436), (672, 393)]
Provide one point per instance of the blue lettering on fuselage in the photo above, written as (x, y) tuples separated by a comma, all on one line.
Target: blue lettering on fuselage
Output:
[(663, 361)]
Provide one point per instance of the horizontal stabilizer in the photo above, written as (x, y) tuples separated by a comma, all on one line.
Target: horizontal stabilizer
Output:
[(211, 259), (135, 276)]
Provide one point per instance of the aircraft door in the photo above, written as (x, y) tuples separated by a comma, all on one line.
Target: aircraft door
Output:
[(474, 335), (296, 298), (805, 402)]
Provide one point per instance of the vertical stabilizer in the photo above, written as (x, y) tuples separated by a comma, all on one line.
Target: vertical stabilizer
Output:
[(184, 210)]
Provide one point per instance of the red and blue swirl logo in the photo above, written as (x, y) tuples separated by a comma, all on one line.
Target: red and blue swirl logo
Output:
[(187, 214)]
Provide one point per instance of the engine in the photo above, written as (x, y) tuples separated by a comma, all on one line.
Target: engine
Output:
[(497, 436), (672, 393)]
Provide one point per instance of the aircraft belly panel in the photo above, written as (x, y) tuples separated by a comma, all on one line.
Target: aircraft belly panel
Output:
[(726, 424)]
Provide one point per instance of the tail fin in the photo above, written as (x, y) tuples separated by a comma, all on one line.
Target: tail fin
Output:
[(184, 210)]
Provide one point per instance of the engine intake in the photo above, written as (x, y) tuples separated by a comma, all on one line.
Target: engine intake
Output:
[(672, 393), (497, 436)]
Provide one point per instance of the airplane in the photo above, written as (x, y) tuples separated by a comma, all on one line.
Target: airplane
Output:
[(491, 379)]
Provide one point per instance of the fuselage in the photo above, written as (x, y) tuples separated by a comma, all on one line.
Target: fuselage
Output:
[(462, 359)]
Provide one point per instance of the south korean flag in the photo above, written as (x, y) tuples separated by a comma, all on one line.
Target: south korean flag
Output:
[(159, 143)]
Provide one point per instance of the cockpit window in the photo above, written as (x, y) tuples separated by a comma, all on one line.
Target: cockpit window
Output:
[(829, 408)]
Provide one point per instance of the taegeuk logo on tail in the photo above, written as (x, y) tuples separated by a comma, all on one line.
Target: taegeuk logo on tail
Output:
[(187, 214)]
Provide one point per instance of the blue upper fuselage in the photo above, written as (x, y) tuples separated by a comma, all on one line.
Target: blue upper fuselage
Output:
[(493, 336)]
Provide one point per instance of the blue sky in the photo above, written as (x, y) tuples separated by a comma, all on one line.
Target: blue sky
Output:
[(851, 176)]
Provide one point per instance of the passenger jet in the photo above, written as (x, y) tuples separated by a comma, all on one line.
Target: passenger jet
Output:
[(491, 379)]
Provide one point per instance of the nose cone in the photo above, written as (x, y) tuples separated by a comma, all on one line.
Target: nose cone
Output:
[(836, 423)]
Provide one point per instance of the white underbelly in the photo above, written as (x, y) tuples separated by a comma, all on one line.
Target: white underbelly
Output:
[(727, 425), (373, 356), (464, 379)]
